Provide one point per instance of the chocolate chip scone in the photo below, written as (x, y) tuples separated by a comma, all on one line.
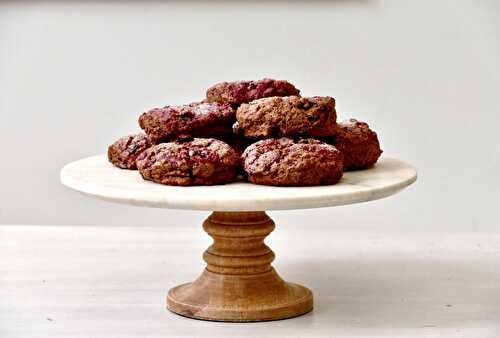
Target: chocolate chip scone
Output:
[(238, 92), (289, 116), (358, 143), (199, 119), (198, 162), (125, 150), (285, 162)]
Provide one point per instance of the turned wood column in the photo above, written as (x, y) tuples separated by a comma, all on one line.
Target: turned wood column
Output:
[(239, 283), (238, 247)]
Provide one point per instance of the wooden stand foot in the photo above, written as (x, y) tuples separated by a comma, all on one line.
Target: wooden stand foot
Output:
[(239, 284)]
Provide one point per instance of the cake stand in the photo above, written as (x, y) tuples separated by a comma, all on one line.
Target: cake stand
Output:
[(238, 284)]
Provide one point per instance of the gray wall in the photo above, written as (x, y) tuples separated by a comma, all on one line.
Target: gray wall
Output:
[(424, 74)]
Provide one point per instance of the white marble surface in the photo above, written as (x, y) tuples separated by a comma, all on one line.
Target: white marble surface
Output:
[(95, 176), (93, 282)]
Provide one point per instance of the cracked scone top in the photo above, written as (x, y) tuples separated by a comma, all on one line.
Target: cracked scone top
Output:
[(199, 119), (125, 150), (201, 161), (238, 92), (287, 117), (358, 143), (285, 162)]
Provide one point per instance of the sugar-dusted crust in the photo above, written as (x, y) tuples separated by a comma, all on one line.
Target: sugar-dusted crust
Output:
[(199, 119), (125, 150), (197, 162), (358, 143), (285, 162), (289, 116), (238, 92)]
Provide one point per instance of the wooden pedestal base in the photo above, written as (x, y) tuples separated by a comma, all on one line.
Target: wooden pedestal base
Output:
[(239, 284)]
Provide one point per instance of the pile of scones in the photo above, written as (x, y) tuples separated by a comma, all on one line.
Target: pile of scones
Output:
[(261, 131)]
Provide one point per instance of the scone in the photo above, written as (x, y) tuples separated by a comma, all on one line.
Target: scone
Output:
[(238, 92), (199, 119), (201, 161), (125, 150), (358, 143), (285, 162), (289, 116)]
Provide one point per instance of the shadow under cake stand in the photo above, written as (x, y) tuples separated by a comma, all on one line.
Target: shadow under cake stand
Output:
[(238, 284)]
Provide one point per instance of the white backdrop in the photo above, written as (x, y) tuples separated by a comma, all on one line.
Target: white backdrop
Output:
[(74, 76)]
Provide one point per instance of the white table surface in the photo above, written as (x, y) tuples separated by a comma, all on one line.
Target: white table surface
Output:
[(64, 281)]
